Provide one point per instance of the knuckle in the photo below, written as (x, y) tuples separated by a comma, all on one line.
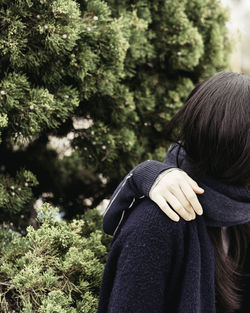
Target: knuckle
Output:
[(166, 208), (187, 206), (173, 187), (178, 208), (189, 210), (192, 197)]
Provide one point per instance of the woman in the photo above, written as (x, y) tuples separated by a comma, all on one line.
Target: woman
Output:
[(156, 265)]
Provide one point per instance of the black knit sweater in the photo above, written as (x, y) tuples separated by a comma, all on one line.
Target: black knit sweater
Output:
[(156, 265)]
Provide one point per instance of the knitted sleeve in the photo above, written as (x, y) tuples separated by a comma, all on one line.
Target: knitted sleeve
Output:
[(135, 186), (139, 268)]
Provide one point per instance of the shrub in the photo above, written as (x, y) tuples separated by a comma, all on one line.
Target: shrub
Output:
[(55, 268)]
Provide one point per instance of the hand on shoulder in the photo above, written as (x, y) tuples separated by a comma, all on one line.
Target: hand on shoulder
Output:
[(176, 189)]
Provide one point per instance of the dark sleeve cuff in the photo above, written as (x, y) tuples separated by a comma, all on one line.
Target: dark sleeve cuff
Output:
[(146, 173)]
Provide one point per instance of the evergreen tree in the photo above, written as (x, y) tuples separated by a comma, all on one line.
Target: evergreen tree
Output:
[(124, 67)]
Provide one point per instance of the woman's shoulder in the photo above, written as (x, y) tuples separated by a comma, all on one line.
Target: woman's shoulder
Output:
[(147, 221)]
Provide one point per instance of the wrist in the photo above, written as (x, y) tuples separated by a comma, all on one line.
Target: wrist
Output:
[(160, 176)]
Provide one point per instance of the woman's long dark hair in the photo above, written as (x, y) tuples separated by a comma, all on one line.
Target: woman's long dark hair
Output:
[(214, 128)]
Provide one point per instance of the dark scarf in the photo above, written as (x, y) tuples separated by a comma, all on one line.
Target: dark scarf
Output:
[(223, 204)]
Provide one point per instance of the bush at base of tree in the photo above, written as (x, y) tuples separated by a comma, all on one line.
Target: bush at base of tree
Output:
[(55, 268)]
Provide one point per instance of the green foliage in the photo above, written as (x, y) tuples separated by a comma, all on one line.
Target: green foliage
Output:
[(30, 110), (16, 195), (173, 45), (125, 67), (55, 268)]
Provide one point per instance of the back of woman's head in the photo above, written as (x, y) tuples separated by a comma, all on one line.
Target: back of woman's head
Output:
[(214, 126)]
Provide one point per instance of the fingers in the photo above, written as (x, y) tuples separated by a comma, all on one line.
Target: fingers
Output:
[(180, 205), (165, 207), (175, 194), (191, 197), (193, 183)]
